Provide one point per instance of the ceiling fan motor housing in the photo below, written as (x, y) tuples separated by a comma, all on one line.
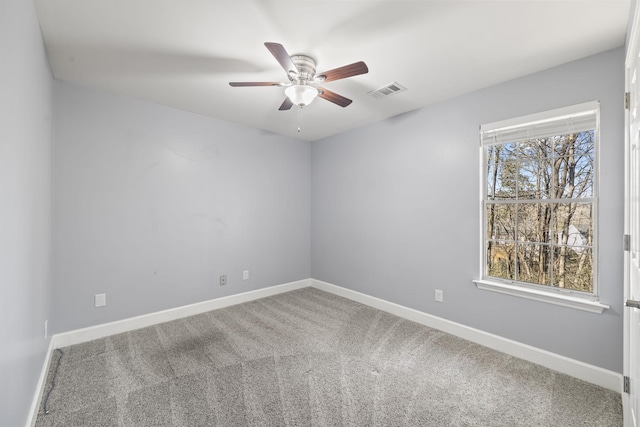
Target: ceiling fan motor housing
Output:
[(306, 69)]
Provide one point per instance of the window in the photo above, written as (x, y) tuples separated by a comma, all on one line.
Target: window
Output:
[(539, 202)]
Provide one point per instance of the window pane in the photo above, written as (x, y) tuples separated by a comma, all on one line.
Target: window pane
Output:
[(529, 224), (582, 220), (529, 149), (533, 263), (491, 174), (573, 224), (500, 260), (573, 268), (534, 222), (501, 171), (508, 151), (506, 180), (500, 221), (561, 178), (564, 144), (574, 165), (573, 177), (535, 169), (528, 184), (584, 176), (585, 144)]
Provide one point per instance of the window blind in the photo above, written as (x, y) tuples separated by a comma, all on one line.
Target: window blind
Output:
[(562, 121)]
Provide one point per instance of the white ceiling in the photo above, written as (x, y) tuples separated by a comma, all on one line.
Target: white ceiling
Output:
[(183, 53)]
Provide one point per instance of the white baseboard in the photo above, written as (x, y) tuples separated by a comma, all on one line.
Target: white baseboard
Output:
[(575, 368), (106, 329), (37, 398)]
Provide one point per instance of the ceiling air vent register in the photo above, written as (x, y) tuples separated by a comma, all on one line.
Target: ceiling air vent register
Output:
[(388, 90)]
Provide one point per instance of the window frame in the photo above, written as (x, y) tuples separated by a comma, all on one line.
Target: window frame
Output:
[(582, 300)]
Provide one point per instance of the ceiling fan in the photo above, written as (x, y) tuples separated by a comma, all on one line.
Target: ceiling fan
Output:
[(301, 89)]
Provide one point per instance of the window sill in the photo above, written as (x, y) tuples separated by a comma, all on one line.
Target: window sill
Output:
[(550, 298)]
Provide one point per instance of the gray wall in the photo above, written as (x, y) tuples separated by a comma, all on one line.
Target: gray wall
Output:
[(153, 204), (25, 207), (395, 210)]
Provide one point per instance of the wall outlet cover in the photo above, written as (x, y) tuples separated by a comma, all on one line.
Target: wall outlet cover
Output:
[(100, 300)]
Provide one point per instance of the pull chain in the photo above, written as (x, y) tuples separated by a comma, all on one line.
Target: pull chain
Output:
[(299, 118)]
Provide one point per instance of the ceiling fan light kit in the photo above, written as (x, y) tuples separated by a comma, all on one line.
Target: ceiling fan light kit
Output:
[(301, 72), (301, 95)]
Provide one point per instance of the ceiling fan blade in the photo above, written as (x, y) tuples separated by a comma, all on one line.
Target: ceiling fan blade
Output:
[(343, 72), (334, 97), (281, 55), (286, 105), (243, 84)]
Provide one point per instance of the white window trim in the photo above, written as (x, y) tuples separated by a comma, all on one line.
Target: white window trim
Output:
[(543, 296), (588, 302)]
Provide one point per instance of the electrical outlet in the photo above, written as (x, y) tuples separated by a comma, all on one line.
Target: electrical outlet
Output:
[(223, 280), (100, 300), (46, 327), (245, 275), (439, 295)]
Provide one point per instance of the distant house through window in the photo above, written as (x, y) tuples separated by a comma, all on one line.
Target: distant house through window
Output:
[(540, 200)]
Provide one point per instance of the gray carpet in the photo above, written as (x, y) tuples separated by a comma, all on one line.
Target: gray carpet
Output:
[(310, 358)]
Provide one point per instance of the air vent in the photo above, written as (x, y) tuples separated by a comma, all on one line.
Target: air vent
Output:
[(388, 90)]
